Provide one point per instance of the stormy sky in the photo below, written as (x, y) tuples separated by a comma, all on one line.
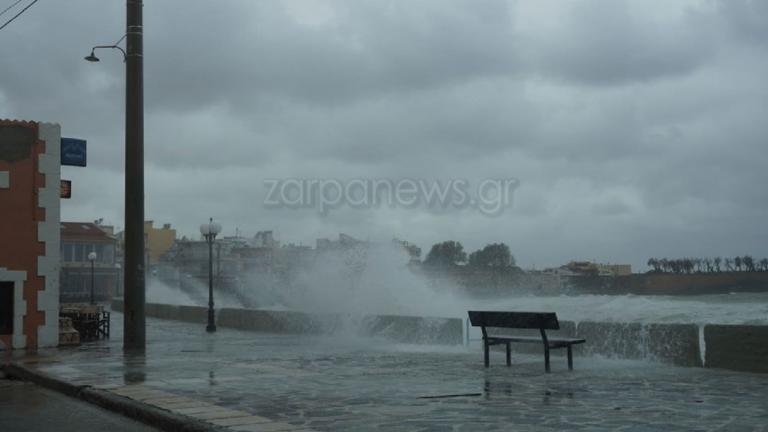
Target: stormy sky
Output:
[(635, 128)]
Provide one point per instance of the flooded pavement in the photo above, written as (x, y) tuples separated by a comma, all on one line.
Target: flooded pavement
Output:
[(348, 384)]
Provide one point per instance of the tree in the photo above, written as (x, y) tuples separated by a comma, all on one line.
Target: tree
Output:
[(764, 264), (413, 251), (493, 255), (717, 262), (676, 265), (446, 254), (728, 264), (748, 262), (737, 263), (664, 264), (688, 265), (653, 262)]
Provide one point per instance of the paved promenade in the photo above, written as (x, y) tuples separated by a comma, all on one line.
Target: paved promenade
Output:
[(26, 407), (259, 382)]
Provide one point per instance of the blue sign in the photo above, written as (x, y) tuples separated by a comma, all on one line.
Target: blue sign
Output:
[(73, 152)]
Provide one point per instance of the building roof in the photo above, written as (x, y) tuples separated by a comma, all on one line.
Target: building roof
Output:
[(83, 230)]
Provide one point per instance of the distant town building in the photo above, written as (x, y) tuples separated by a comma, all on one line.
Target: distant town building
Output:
[(264, 239), (78, 239), (614, 269), (157, 241), (414, 252), (344, 242), (588, 268), (186, 263), (238, 261)]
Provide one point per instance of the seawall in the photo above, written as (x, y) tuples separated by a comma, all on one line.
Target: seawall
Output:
[(676, 344), (406, 329), (734, 347)]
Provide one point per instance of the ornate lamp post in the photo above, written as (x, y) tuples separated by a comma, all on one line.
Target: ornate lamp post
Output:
[(209, 232), (92, 259)]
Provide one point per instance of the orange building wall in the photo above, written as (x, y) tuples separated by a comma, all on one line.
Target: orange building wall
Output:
[(21, 218)]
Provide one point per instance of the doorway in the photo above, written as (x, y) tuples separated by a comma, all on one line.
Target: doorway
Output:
[(6, 308)]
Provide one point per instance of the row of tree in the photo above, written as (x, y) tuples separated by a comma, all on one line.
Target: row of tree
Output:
[(449, 253), (708, 265)]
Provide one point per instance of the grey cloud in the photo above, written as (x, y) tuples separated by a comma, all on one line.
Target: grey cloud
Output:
[(747, 19), (601, 42), (371, 48), (636, 128)]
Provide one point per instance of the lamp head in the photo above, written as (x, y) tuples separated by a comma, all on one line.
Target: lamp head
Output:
[(92, 58), (210, 228)]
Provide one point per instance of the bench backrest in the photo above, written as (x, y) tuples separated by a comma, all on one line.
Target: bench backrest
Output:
[(519, 320)]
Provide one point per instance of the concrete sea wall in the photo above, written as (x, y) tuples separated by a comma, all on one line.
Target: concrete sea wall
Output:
[(406, 329), (737, 347), (676, 344), (734, 347)]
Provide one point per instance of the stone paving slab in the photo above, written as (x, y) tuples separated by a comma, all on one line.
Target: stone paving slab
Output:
[(267, 427), (241, 421), (342, 384), (219, 414), (196, 410), (180, 405), (216, 415)]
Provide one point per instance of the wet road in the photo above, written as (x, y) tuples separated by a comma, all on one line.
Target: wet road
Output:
[(27, 407)]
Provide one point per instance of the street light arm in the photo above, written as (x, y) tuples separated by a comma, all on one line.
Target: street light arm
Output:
[(117, 47)]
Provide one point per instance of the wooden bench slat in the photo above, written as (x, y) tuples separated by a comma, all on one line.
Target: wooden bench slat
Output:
[(537, 339), (521, 320)]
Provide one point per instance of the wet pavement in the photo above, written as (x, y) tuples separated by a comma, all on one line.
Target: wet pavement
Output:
[(27, 407), (255, 381)]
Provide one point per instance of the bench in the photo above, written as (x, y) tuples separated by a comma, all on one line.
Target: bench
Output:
[(542, 321)]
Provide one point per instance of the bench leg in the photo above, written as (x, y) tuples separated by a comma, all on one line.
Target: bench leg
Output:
[(486, 354), (509, 354), (570, 358), (546, 358)]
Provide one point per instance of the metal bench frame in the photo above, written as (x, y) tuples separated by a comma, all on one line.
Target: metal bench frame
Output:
[(542, 321)]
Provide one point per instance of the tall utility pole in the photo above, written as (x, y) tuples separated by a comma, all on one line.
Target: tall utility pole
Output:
[(134, 325)]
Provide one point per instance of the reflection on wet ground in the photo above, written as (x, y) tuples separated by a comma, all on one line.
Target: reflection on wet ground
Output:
[(353, 384)]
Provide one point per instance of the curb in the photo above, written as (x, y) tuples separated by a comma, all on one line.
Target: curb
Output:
[(142, 412)]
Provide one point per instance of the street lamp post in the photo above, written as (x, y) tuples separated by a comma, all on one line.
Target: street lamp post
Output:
[(92, 259), (134, 321), (209, 232), (118, 267)]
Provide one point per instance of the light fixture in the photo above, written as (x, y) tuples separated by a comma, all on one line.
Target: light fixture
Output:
[(92, 259), (92, 57)]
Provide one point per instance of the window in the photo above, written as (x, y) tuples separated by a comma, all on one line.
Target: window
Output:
[(80, 253), (109, 254), (67, 251)]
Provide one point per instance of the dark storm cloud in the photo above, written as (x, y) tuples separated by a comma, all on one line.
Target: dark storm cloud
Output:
[(367, 48), (601, 42), (746, 19), (636, 127)]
